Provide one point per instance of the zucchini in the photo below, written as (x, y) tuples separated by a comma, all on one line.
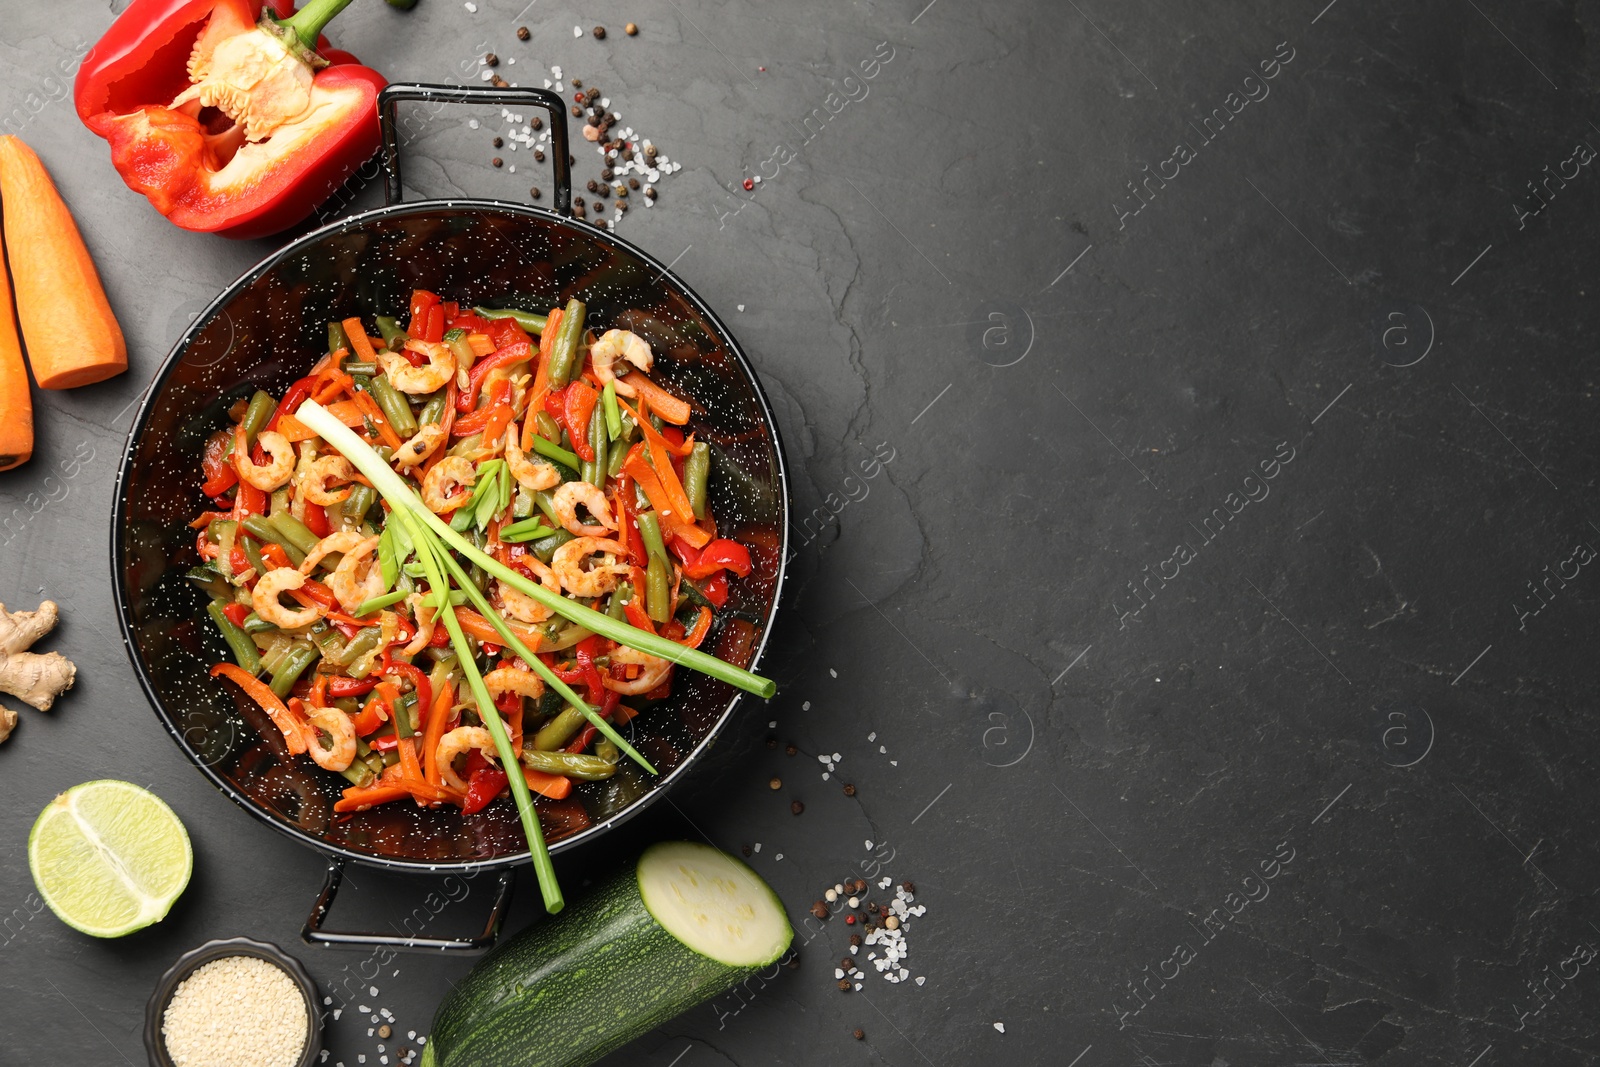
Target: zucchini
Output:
[(683, 924)]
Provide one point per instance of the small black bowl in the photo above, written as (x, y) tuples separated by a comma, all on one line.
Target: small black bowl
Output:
[(193, 960)]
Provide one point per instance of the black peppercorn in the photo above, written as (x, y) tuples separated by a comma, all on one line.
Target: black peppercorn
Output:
[(849, 790), (577, 112), (607, 174), (820, 910), (593, 185), (859, 1034), (789, 750), (621, 190), (622, 206), (844, 985), (498, 143), (577, 84), (797, 807), (633, 183), (491, 60), (847, 964), (497, 161), (745, 849), (772, 742), (538, 155), (855, 940), (522, 33), (533, 194), (599, 33), (592, 95), (538, 123), (650, 193), (499, 82)]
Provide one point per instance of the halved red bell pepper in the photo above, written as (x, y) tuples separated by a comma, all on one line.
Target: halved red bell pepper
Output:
[(226, 120)]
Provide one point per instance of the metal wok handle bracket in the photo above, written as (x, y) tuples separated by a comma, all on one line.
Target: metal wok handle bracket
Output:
[(388, 106), (314, 934)]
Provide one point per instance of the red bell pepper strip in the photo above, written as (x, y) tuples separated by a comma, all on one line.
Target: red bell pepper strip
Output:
[(317, 520), (217, 464), (715, 589), (576, 412), (634, 610), (421, 301), (516, 352), (293, 397), (236, 613), (419, 681), (340, 685), (505, 332), (483, 786), (479, 421), (273, 151), (720, 555)]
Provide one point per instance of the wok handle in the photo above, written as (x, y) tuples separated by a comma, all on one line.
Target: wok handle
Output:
[(314, 934), (437, 95)]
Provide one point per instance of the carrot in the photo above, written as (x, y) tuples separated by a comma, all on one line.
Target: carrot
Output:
[(72, 336), (262, 694), (554, 786), (16, 405), (345, 411), (663, 403), (360, 798), (433, 730), (359, 341), (475, 625)]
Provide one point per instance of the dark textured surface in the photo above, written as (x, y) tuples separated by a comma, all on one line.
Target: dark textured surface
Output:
[(1350, 673)]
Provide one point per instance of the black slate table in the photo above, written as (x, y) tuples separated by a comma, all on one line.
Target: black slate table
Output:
[(1194, 490)]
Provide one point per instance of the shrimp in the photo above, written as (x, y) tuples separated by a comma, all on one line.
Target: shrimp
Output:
[(596, 580), (426, 618), (460, 741), (503, 680), (403, 376), (449, 484), (654, 673), (514, 604), (565, 501), (420, 447), (532, 474), (343, 541), (264, 598), (612, 346), (321, 471), (346, 581), (278, 468), (341, 750)]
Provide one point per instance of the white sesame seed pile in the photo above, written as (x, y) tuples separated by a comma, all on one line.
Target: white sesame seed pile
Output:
[(238, 1010), (891, 938)]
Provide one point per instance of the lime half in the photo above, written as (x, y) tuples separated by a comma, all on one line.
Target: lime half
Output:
[(109, 857)]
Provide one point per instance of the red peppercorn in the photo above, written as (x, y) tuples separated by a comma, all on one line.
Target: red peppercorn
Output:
[(579, 97), (850, 920), (749, 183)]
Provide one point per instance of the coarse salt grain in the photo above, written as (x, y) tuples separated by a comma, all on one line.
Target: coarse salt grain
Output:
[(577, 31), (472, 9), (201, 1026)]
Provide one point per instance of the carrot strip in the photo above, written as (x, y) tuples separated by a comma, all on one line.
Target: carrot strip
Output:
[(360, 798), (433, 730), (663, 403), (262, 694), (16, 405), (554, 786), (72, 336), (369, 408), (475, 625), (359, 341), (480, 344), (345, 411)]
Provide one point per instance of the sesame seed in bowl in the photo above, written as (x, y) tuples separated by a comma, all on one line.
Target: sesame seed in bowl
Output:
[(240, 1002)]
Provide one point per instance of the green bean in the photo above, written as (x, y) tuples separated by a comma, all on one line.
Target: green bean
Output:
[(544, 447), (377, 603), (573, 765), (395, 407), (526, 530), (650, 530), (394, 338), (244, 649), (363, 642), (461, 348), (362, 367), (657, 590), (256, 415), (619, 455), (360, 501), (619, 600), (337, 338), (212, 581), (301, 656), (565, 354), (433, 410), (402, 715), (547, 426), (607, 750), (266, 530), (696, 476), (529, 321), (358, 774), (253, 554), (599, 440), (546, 547), (255, 624), (608, 402), (295, 531), (559, 730), (547, 504)]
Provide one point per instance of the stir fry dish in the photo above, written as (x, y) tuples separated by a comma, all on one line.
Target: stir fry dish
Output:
[(456, 555)]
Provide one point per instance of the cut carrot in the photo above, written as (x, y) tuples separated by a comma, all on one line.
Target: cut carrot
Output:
[(16, 405), (433, 730), (554, 786), (359, 341), (71, 334), (345, 411), (262, 694), (663, 403), (359, 798), (476, 626)]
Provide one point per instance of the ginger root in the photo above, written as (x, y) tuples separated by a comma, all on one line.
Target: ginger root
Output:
[(8, 722), (37, 678)]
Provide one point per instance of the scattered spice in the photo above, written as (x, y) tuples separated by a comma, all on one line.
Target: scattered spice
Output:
[(633, 183), (772, 742), (745, 849), (849, 790), (850, 920), (499, 82), (592, 186), (855, 940), (533, 193), (498, 143), (631, 30), (820, 910), (577, 112), (844, 985), (599, 33), (795, 807), (790, 750), (538, 155), (776, 783), (491, 60), (522, 33), (238, 1010), (385, 1031), (577, 83), (650, 193), (749, 183), (859, 1034)]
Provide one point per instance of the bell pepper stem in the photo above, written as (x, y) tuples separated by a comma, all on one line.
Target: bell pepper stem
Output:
[(307, 24)]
